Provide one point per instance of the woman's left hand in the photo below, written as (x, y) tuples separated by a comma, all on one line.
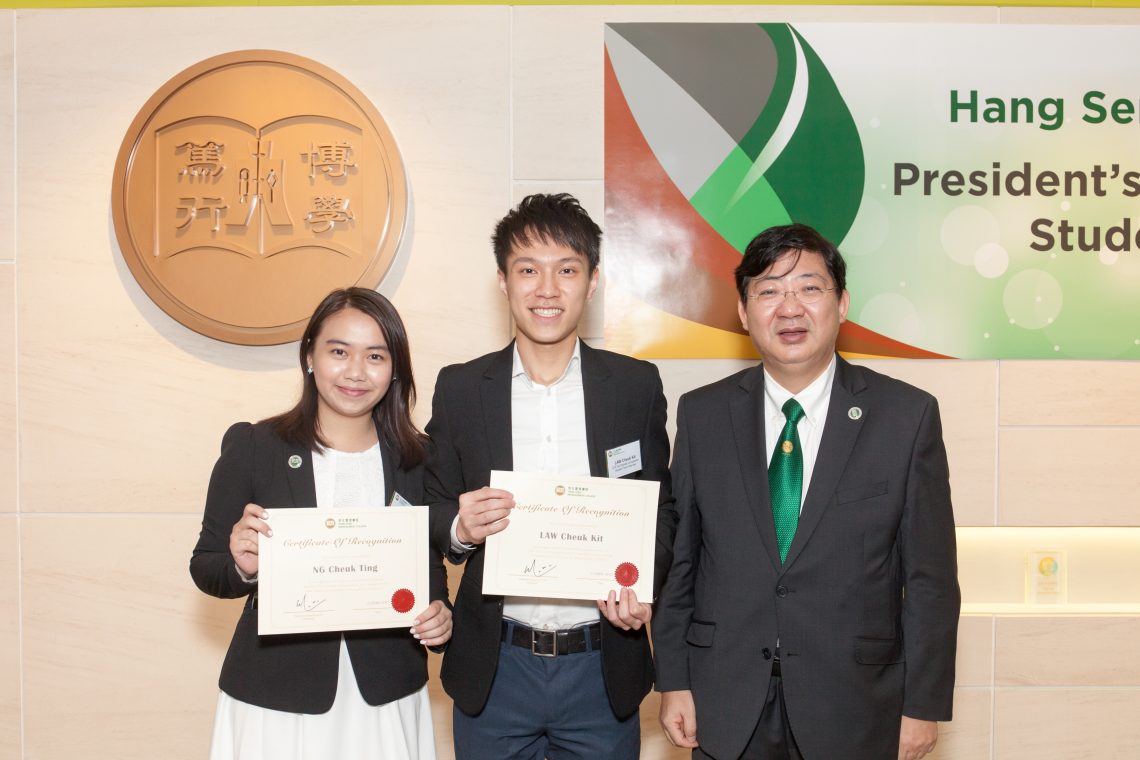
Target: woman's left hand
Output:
[(433, 626)]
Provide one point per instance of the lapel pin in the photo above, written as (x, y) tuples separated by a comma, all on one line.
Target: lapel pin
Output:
[(295, 461), (854, 412)]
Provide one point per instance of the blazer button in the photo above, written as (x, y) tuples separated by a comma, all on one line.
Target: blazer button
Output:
[(767, 653), (781, 591)]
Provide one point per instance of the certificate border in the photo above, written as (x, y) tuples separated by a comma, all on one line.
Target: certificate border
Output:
[(493, 567), (421, 587)]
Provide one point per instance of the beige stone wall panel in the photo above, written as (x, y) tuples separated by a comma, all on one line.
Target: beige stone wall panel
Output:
[(7, 136), (8, 385), (1032, 651), (1075, 15), (1066, 724), (1077, 393), (10, 675), (975, 659), (121, 651), (1069, 476)]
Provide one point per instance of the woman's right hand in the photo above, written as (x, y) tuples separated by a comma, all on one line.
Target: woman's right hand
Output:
[(243, 538)]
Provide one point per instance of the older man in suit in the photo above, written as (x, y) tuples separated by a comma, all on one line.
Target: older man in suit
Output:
[(543, 678), (812, 607)]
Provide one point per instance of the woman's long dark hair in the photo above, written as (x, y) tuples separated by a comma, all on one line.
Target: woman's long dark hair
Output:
[(393, 414)]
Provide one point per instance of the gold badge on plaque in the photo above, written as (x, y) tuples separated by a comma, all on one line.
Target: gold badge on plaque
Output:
[(249, 186)]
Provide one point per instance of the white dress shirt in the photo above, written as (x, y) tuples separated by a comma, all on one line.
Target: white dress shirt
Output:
[(548, 435), (349, 480), (815, 399)]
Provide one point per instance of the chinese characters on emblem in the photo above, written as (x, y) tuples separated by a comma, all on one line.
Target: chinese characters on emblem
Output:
[(327, 211), (259, 186), (203, 161), (194, 204), (331, 159)]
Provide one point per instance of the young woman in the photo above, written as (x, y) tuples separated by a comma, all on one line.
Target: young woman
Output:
[(349, 443)]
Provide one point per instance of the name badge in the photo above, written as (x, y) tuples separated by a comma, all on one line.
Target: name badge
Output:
[(622, 460), (399, 501)]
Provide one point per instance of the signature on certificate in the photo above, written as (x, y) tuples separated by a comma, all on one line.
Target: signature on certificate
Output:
[(537, 570), (307, 604)]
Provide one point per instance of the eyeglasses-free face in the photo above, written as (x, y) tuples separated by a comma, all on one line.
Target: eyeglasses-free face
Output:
[(547, 286)]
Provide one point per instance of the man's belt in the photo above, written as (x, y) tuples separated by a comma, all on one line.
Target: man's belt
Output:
[(554, 643)]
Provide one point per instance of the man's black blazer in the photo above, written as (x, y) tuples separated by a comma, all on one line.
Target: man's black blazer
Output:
[(470, 430), (865, 608), (296, 673)]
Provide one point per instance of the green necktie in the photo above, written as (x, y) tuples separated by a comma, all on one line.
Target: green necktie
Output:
[(786, 477)]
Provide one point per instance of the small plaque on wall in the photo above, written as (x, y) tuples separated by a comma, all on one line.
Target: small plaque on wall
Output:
[(1046, 577)]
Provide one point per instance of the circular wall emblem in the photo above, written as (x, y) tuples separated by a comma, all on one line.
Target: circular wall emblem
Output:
[(249, 186)]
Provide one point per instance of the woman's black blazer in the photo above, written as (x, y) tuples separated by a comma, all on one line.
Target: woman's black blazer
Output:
[(296, 673)]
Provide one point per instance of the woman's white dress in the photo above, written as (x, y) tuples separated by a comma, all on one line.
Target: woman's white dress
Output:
[(352, 729)]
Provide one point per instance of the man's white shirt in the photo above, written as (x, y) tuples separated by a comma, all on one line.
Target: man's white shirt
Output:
[(548, 435), (815, 400)]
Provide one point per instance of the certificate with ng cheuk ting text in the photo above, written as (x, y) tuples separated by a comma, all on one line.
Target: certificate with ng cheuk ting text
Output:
[(326, 570), (573, 537)]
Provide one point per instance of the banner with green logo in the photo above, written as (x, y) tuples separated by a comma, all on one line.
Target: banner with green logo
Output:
[(983, 182)]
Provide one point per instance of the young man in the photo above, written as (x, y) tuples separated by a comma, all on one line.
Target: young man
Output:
[(812, 608), (534, 678)]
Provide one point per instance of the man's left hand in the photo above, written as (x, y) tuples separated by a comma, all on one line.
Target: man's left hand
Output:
[(624, 611), (917, 738)]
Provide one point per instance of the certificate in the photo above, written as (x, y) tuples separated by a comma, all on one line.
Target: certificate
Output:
[(573, 537), (326, 570)]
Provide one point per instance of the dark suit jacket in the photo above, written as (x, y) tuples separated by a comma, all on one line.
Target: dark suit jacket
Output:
[(296, 673), (470, 430), (866, 606)]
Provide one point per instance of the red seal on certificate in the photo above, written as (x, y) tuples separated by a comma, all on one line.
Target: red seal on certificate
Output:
[(626, 574), (403, 600)]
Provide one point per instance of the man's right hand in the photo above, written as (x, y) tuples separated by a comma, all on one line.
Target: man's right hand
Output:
[(679, 718), (483, 513)]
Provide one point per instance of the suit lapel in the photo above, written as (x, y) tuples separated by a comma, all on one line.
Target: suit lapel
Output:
[(839, 436), (496, 395), (601, 406), (747, 414), (390, 471), (301, 484)]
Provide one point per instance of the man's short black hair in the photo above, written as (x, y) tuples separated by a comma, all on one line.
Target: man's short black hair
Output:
[(767, 248), (544, 218)]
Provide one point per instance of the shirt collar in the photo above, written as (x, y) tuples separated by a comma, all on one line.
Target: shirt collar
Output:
[(811, 398), (572, 367)]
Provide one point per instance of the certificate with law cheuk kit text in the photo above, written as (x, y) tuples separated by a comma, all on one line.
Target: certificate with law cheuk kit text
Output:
[(326, 570), (573, 537)]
